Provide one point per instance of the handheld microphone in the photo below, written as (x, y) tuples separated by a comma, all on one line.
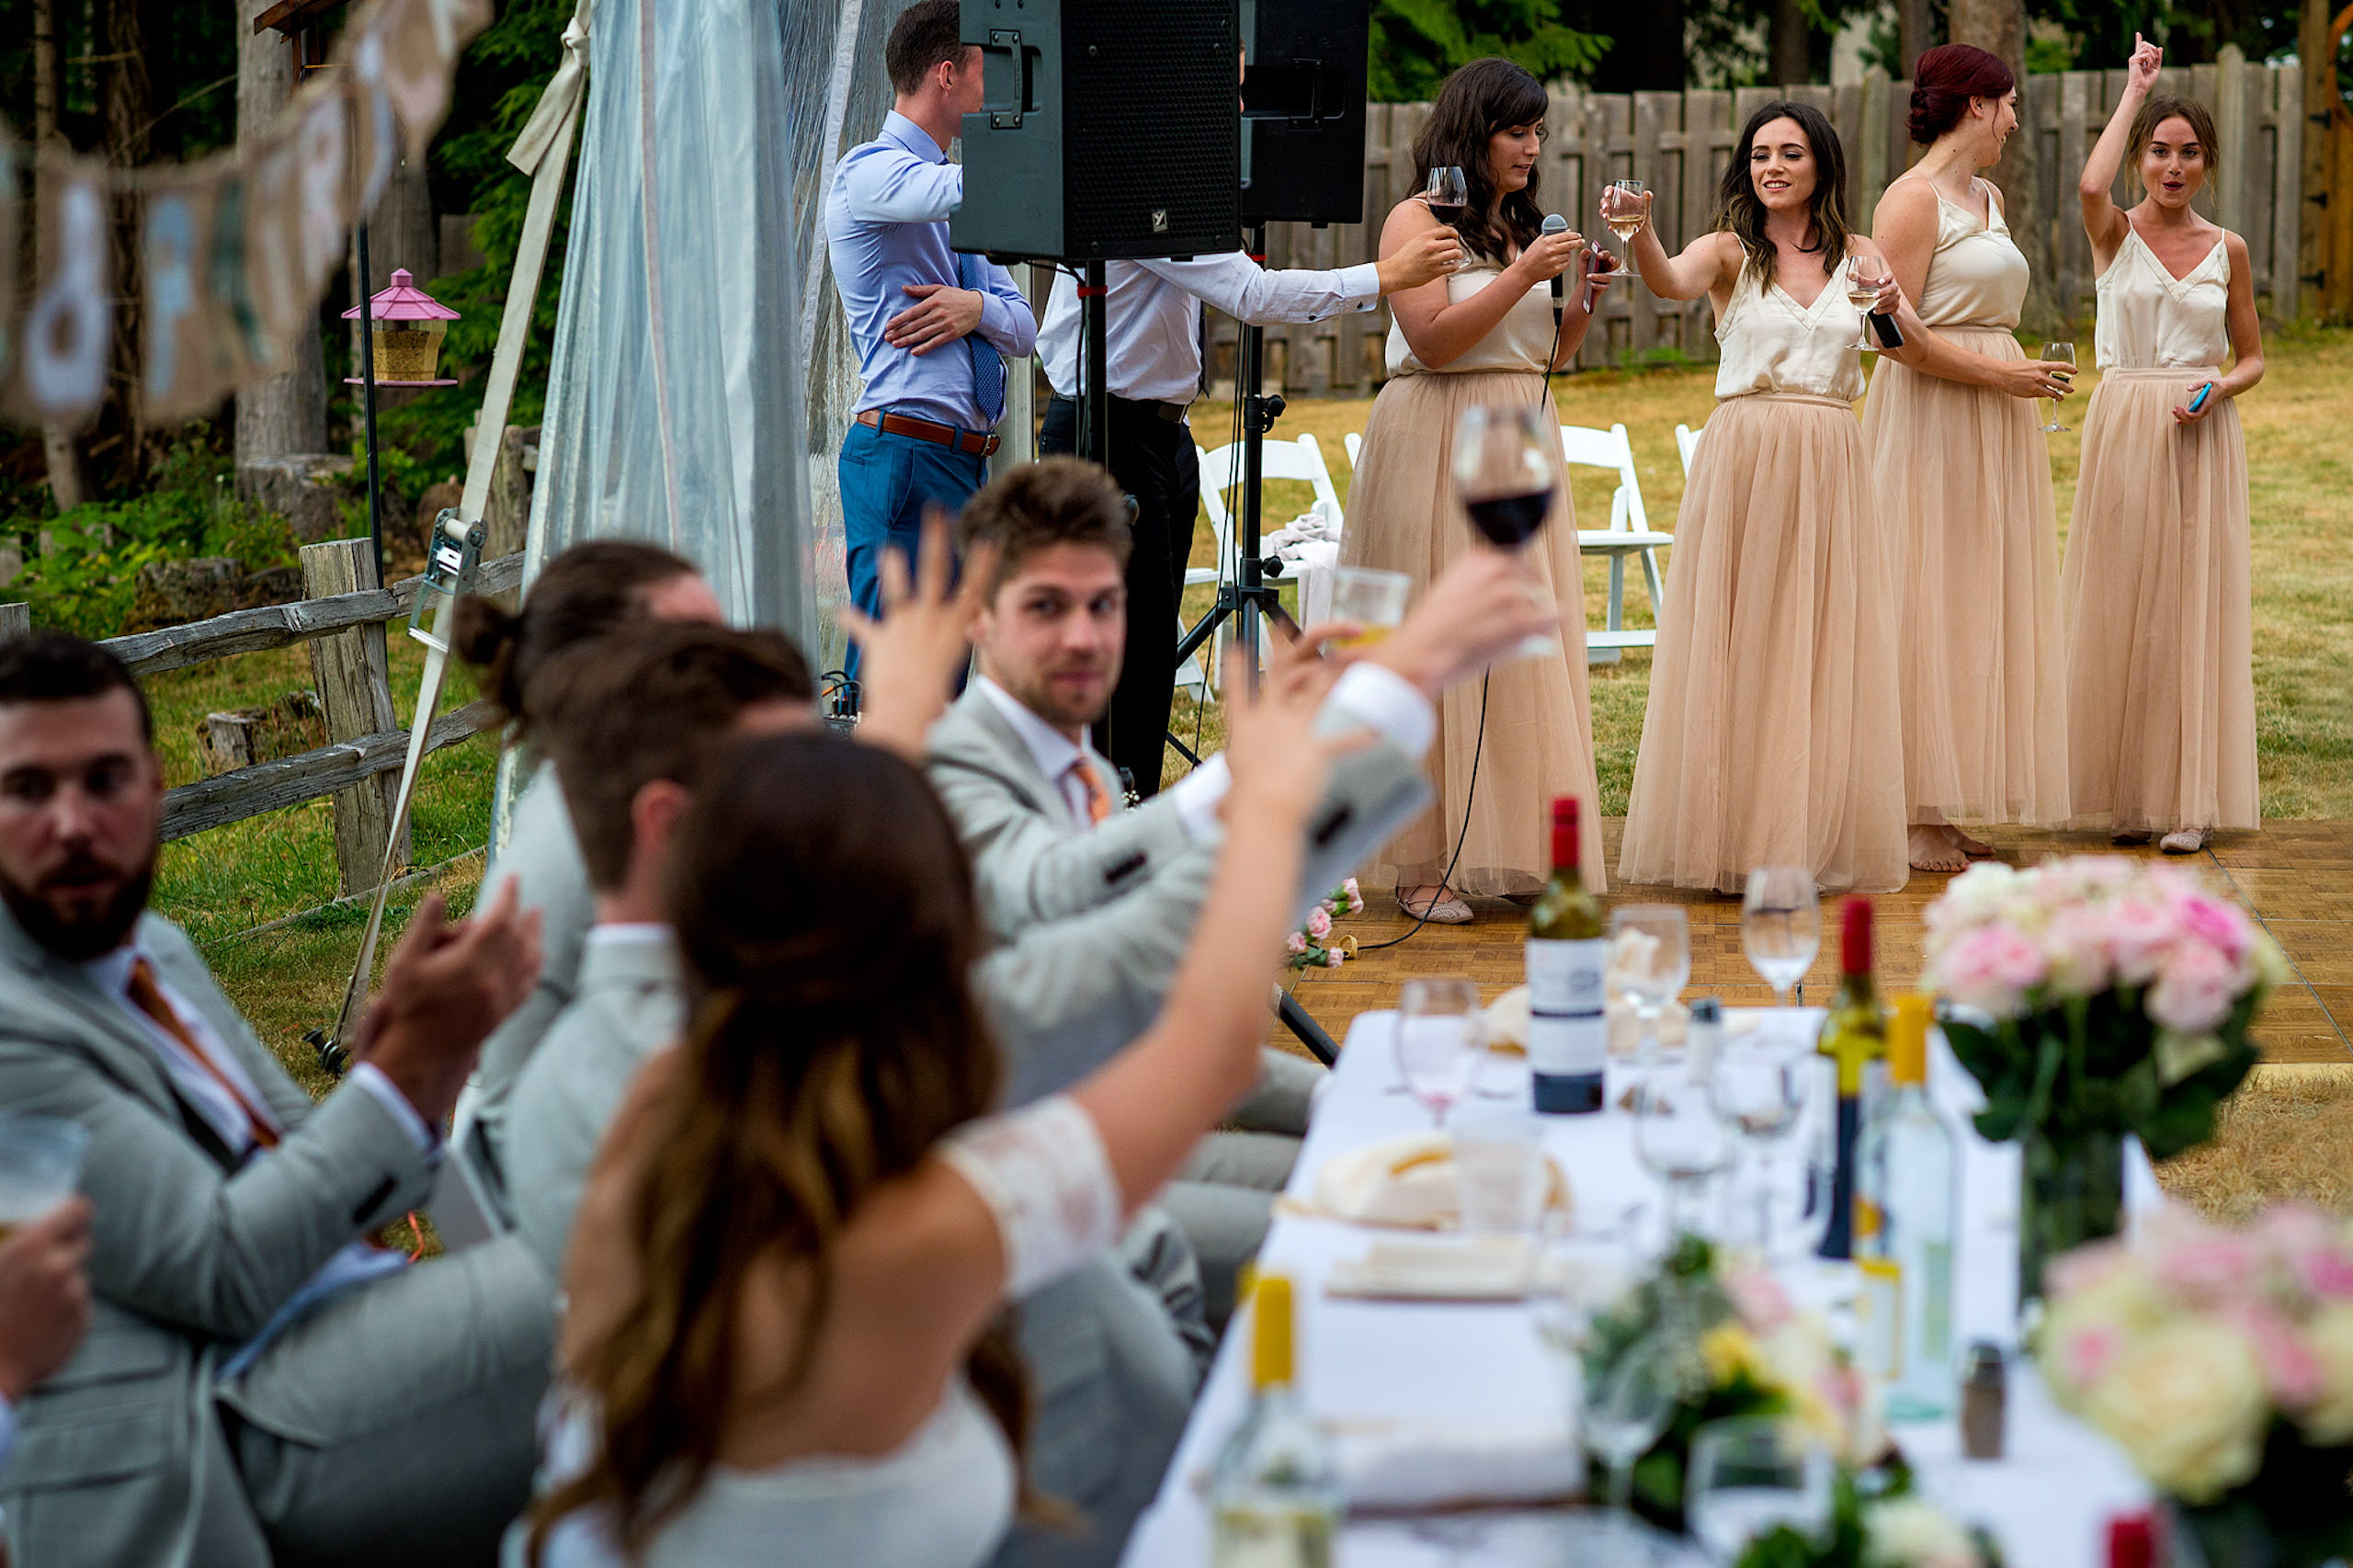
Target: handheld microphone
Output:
[(1555, 224)]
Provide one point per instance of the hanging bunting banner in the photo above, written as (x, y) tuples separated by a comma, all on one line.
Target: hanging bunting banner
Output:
[(235, 250)]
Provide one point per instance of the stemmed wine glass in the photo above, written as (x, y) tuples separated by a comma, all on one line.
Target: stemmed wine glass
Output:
[(1626, 1406), (2065, 354), (1507, 469), (1866, 276), (1761, 1092), (1446, 194), (1751, 1474), (1440, 1042), (1780, 926), (1650, 961), (1680, 1140), (1622, 209)]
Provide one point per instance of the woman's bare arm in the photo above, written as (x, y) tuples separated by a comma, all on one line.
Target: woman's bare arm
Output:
[(2104, 221)]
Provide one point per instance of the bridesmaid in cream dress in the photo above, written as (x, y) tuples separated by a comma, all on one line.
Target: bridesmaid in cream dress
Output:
[(1963, 482), (2160, 648), (1772, 734), (1484, 336)]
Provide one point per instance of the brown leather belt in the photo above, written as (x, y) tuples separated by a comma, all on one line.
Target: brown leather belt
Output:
[(969, 441)]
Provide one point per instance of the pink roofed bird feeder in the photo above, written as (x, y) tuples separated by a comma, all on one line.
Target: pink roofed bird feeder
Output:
[(409, 325)]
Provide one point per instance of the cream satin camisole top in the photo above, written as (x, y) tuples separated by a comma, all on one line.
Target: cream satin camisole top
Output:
[(1977, 275), (1521, 341), (1769, 343), (2150, 320)]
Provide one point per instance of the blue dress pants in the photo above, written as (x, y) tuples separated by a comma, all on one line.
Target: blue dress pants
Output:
[(886, 483)]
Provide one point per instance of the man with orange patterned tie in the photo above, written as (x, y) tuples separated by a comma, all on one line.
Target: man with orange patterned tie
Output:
[(1094, 904), (261, 1383)]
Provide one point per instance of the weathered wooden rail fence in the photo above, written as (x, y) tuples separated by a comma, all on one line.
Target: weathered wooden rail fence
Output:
[(343, 622), (1678, 144)]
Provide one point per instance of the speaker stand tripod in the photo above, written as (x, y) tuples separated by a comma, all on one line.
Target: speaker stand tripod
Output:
[(1247, 595)]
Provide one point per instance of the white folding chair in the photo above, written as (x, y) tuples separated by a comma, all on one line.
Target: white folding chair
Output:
[(1220, 487), (1355, 444), (1628, 533), (1686, 446)]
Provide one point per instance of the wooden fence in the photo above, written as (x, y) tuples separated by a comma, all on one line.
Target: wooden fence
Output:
[(1679, 142)]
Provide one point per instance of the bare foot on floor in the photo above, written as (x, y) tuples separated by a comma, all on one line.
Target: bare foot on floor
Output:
[(2128, 840), (1934, 849), (1975, 848)]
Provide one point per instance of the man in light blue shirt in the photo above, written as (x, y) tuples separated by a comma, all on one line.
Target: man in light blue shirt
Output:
[(933, 328)]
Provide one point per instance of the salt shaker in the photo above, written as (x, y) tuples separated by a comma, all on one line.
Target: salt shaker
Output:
[(1703, 1038), (1984, 1398)]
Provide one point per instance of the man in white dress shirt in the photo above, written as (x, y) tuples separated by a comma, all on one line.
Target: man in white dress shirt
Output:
[(1153, 368)]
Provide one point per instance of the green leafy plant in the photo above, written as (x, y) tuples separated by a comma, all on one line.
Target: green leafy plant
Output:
[(1416, 42)]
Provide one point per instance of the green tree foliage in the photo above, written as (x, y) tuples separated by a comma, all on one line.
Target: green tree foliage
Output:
[(1416, 42)]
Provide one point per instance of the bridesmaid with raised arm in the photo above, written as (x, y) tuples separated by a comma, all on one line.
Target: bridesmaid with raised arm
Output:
[(2158, 602), (1773, 732), (1963, 482), (1486, 335)]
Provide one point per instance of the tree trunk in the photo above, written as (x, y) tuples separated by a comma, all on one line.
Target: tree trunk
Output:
[(2323, 107), (1788, 44), (1915, 29), (289, 414), (127, 101), (68, 484), (1998, 26)]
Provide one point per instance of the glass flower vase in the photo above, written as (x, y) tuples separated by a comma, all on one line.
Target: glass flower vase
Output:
[(2071, 1190)]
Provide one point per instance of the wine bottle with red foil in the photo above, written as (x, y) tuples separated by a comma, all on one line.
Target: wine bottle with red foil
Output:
[(1568, 1033), (1853, 1036)]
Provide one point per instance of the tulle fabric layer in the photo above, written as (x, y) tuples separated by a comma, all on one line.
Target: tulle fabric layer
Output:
[(1403, 516), (1773, 734), (1962, 480), (2158, 611)]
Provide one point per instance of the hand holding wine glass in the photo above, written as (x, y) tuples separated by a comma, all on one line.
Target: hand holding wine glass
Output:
[(1625, 208), (1507, 469), (2064, 354), (1868, 280), (1447, 196)]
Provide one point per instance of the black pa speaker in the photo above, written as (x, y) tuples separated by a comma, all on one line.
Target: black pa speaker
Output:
[(1302, 110), (1108, 130)]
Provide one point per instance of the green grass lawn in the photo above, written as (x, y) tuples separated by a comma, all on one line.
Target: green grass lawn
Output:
[(225, 882)]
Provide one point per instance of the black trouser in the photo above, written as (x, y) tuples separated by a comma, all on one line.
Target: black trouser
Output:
[(1153, 459)]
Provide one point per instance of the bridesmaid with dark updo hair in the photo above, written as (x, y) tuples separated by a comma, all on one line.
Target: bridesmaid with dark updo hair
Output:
[(1963, 481)]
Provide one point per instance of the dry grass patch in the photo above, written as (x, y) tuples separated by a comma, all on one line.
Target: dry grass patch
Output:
[(2286, 1135)]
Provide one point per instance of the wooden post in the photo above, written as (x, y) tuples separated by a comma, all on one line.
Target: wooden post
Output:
[(506, 514), (16, 620), (355, 690)]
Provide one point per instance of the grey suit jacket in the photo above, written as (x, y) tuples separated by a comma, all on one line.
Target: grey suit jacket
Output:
[(627, 1007), (543, 857), (121, 1459), (1092, 925)]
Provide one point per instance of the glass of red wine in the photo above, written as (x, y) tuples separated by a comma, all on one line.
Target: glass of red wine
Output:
[(1447, 193), (1507, 467)]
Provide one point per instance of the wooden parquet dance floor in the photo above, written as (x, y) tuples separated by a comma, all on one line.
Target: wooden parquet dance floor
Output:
[(2297, 878)]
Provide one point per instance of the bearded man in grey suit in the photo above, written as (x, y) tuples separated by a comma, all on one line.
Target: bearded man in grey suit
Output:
[(260, 1385), (1094, 905)]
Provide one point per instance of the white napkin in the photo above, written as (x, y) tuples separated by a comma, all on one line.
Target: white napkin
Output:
[(1466, 1268), (1406, 1182), (1418, 1465)]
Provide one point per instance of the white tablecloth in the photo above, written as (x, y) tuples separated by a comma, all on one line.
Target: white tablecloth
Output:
[(2047, 1500)]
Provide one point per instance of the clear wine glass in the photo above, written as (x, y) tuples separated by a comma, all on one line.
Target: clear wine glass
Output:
[(1866, 276), (1448, 195), (1650, 962), (1761, 1094), (2065, 354), (1626, 1406), (1440, 1042), (1751, 1474), (1507, 469), (1623, 208), (1680, 1140), (1780, 926)]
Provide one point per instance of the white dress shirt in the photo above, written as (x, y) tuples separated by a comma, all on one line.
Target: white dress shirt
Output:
[(1374, 695), (1153, 348), (205, 1095)]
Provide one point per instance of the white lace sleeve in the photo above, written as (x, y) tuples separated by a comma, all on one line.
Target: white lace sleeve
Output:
[(1044, 1174)]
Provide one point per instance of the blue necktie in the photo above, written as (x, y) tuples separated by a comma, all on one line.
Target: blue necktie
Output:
[(988, 365)]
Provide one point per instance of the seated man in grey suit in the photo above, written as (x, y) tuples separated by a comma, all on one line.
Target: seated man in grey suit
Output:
[(260, 1384), (631, 724), (1096, 904)]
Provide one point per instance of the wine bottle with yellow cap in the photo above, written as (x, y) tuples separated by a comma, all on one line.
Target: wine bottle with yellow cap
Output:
[(1905, 1216), (1853, 1035), (1275, 1499)]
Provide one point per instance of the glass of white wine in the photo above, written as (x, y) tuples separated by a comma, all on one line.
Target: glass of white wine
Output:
[(2065, 354), (1866, 276), (40, 1164), (1623, 208), (1371, 597), (1780, 926)]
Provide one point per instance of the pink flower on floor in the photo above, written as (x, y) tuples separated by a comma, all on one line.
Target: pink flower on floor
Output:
[(2194, 990), (1334, 958), (1296, 942), (1356, 895), (1993, 968), (1319, 923)]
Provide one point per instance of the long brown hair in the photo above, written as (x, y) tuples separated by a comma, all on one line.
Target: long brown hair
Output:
[(581, 594), (824, 915), (1739, 211), (1478, 100)]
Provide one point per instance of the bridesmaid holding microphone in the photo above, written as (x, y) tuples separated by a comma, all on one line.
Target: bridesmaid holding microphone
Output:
[(2157, 589), (1964, 481)]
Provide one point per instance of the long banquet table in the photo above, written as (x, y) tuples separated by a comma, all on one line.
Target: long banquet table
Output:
[(2047, 1501)]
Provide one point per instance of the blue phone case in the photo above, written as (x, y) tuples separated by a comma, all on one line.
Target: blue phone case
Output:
[(2203, 394)]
